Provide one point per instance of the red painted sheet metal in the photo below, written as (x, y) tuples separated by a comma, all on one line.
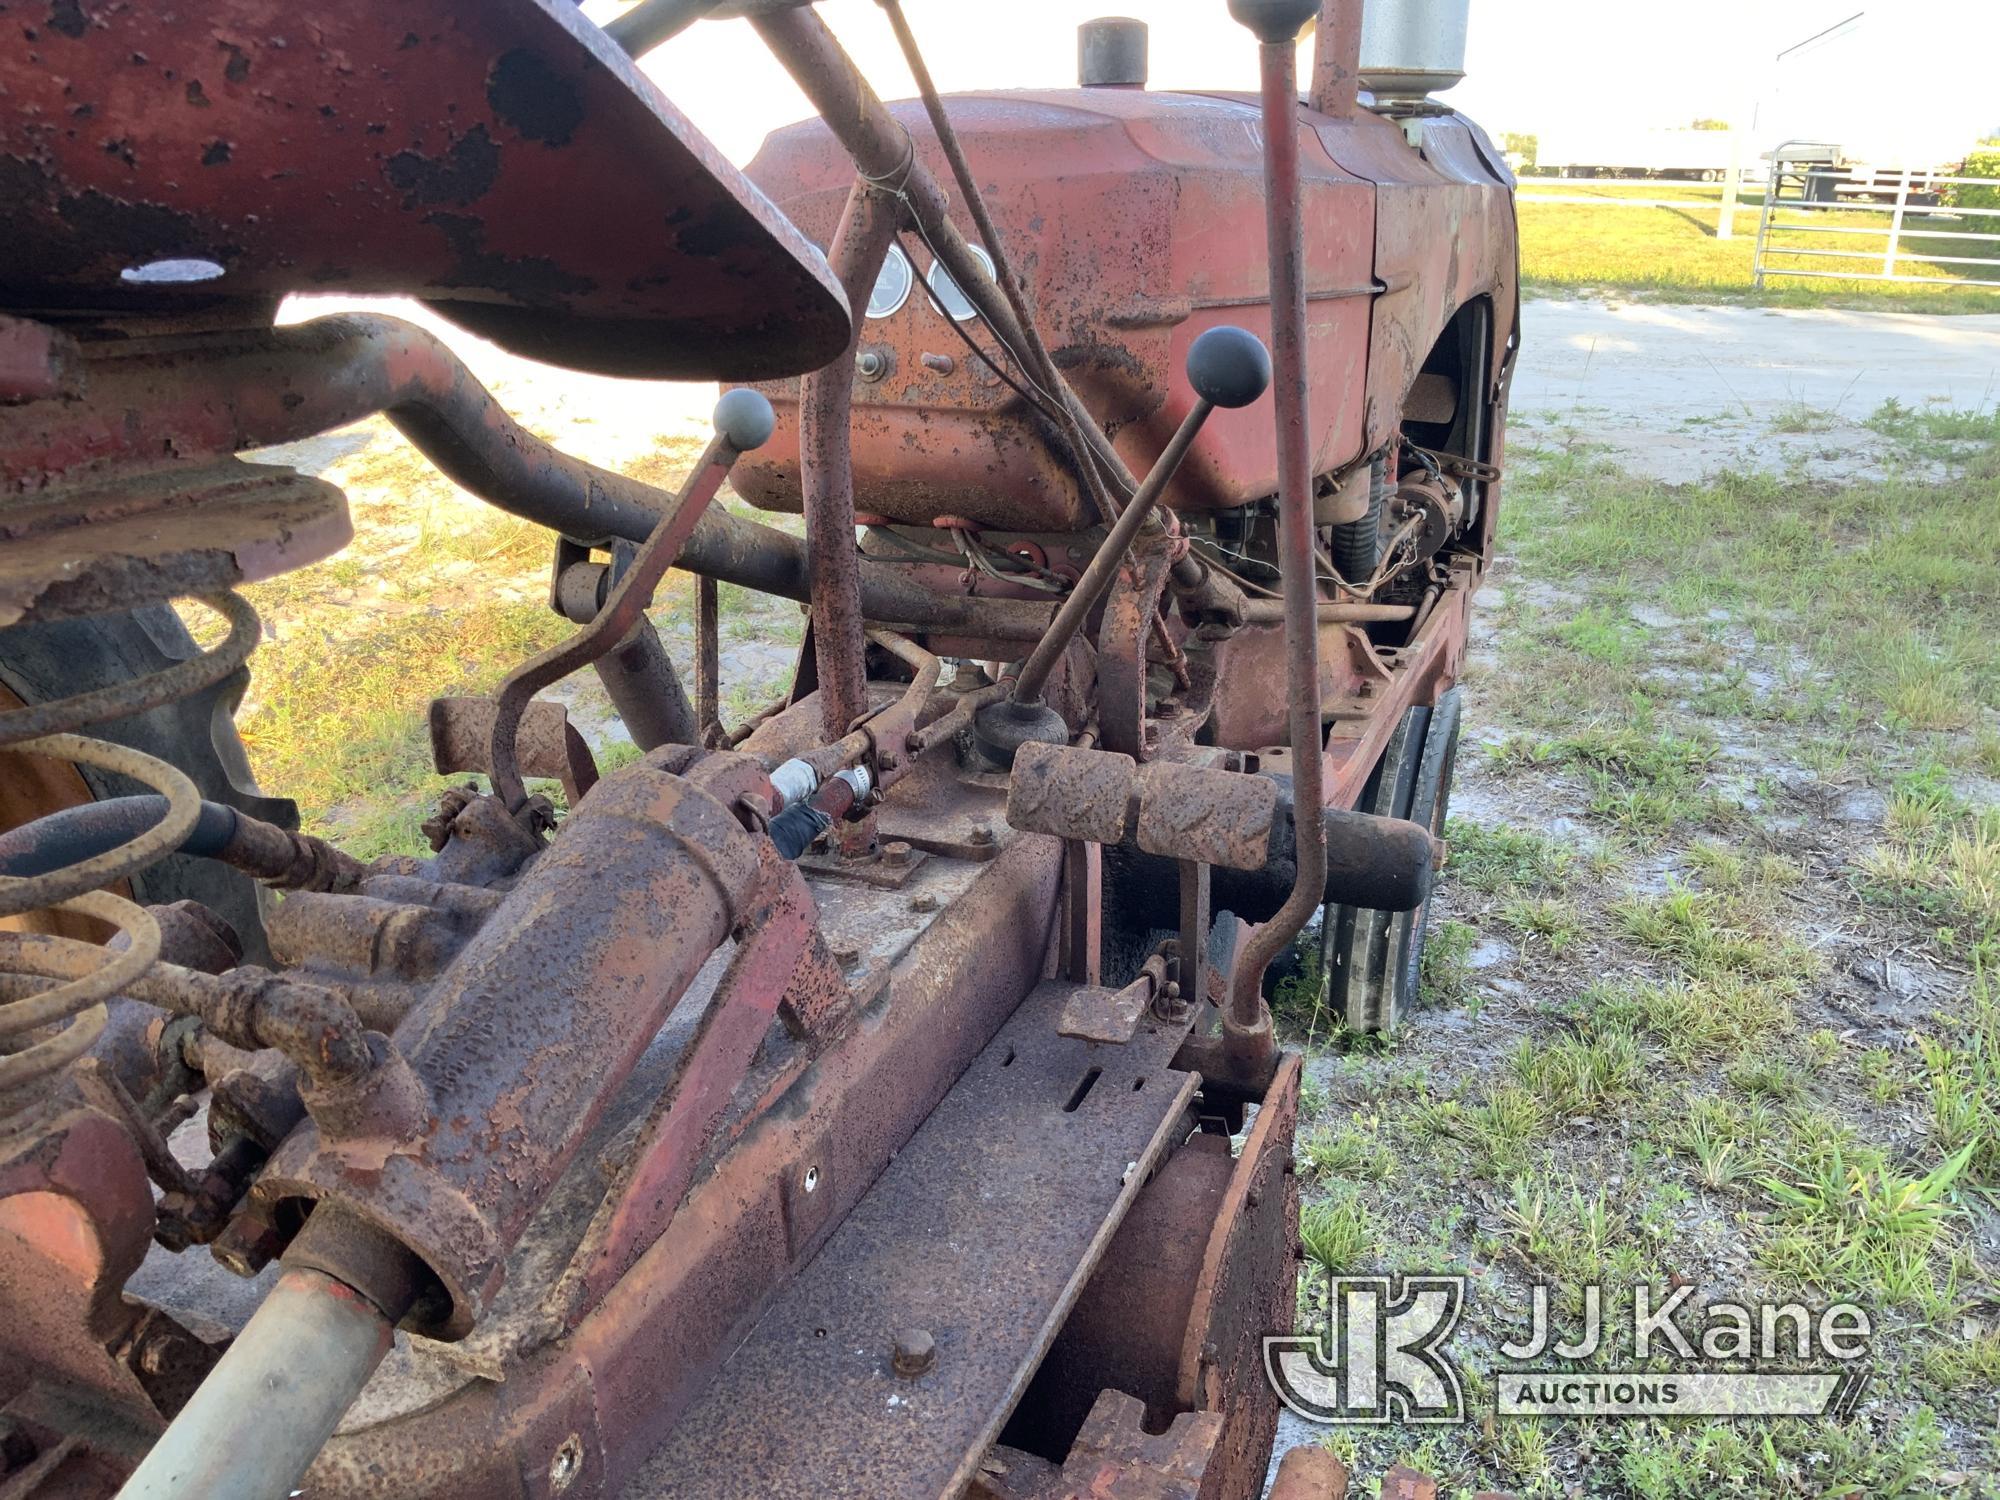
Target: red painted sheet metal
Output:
[(503, 158), (1136, 219)]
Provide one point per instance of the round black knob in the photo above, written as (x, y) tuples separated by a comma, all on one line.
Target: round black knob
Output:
[(744, 419), (1274, 20), (1229, 367)]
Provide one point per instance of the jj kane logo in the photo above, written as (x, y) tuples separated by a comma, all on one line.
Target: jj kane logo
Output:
[(1384, 1355)]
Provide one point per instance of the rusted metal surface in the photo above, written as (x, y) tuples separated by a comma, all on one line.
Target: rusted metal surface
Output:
[(781, 964), (1127, 1328), (1070, 1130), (1195, 813), (1118, 1456), (1405, 1483), (1124, 648), (1336, 64), (76, 1219), (1201, 1268), (36, 361), (635, 1360), (1245, 1290), (509, 164), (1096, 1014), (162, 536), (1071, 792), (1081, 958), (1088, 446), (505, 1119), (546, 744)]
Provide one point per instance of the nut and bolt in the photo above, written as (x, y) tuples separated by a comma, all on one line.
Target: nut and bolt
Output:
[(914, 1354), (847, 955), (925, 902), (982, 833), (895, 853)]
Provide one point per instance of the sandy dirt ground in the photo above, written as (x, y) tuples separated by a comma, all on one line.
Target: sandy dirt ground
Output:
[(1679, 392)]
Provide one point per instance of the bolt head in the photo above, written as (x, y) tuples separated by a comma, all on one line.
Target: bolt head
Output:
[(925, 902), (895, 852), (914, 1353), (981, 833)]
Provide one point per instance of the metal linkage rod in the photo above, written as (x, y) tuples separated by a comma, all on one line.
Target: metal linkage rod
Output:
[(1227, 367), (1248, 1039), (826, 406), (743, 420)]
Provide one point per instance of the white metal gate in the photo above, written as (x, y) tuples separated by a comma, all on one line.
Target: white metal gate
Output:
[(1872, 252)]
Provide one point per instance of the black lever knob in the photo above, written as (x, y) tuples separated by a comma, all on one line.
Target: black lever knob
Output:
[(744, 419), (1229, 367)]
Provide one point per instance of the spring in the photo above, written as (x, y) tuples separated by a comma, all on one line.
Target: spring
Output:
[(43, 1028)]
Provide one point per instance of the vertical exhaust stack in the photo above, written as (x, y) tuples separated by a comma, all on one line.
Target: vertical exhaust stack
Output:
[(1111, 53), (1411, 49)]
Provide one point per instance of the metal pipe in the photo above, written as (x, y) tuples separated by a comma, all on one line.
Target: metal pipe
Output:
[(1329, 611), (254, 1426), (1337, 58), (219, 394), (826, 406), (707, 662), (651, 22), (1248, 1039), (290, 861)]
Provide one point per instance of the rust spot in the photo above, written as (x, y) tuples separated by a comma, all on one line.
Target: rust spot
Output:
[(464, 175), (532, 278), (531, 96)]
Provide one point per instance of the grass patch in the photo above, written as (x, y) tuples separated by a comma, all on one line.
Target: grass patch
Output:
[(1338, 1234), (341, 718), (1710, 938), (1675, 252), (1856, 1223), (1961, 1077), (1885, 587), (1577, 1075), (1502, 861)]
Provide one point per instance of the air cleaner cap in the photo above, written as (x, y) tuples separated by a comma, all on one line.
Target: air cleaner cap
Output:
[(1111, 53)]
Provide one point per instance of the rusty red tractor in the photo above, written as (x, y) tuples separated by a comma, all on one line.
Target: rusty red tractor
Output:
[(876, 1099)]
